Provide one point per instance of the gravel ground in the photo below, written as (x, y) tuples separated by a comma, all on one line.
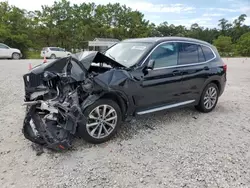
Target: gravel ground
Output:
[(184, 149)]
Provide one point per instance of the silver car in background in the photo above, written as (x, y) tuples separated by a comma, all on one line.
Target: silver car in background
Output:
[(54, 52), (9, 53)]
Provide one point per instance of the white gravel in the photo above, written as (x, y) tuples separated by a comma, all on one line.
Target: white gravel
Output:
[(185, 149)]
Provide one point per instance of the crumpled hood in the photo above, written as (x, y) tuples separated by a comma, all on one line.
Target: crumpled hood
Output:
[(81, 63), (75, 66), (87, 57)]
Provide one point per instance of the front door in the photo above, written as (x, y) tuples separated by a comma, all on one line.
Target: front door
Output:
[(162, 85)]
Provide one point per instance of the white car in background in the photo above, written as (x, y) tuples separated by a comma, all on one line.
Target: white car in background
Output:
[(10, 53), (54, 52)]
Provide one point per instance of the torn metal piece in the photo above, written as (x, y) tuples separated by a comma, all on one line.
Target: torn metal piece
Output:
[(89, 100)]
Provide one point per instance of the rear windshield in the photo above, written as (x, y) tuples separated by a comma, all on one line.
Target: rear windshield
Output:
[(45, 49)]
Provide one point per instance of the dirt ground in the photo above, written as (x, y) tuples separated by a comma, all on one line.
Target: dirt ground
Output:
[(185, 149)]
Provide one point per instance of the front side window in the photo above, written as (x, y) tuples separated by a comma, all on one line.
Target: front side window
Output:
[(165, 55), (128, 53)]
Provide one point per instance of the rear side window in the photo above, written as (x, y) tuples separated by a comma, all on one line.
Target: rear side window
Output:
[(54, 49), (208, 53), (188, 53), (201, 55)]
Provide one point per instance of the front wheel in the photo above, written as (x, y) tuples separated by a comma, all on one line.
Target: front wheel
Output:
[(103, 121), (16, 56), (209, 98)]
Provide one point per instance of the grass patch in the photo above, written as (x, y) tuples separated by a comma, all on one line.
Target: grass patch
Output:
[(32, 55)]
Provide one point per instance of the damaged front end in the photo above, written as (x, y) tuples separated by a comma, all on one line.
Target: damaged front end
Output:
[(56, 95)]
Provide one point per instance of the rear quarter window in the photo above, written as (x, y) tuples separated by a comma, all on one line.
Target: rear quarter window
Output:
[(208, 53)]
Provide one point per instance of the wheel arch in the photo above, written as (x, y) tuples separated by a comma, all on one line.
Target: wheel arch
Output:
[(119, 99), (214, 80), (16, 53), (217, 83), (53, 54)]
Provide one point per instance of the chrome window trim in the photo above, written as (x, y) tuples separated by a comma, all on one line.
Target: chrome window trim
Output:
[(179, 41)]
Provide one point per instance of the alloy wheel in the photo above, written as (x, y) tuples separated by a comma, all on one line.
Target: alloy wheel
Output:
[(210, 98), (101, 121), (53, 56), (16, 56)]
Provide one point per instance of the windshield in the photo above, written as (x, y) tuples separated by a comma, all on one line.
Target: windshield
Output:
[(128, 53)]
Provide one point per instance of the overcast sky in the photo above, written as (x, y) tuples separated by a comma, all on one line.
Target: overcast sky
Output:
[(185, 12)]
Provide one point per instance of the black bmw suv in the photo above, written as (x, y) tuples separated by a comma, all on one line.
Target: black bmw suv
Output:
[(89, 94)]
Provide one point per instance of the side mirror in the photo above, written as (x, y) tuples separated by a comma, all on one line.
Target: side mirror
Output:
[(151, 64)]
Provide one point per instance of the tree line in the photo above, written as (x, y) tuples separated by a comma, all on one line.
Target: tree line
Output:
[(71, 26)]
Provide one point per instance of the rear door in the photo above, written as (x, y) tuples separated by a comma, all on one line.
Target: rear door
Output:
[(195, 69), (62, 52), (54, 51), (162, 85)]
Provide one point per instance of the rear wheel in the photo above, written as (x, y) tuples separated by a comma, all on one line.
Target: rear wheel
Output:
[(209, 98), (53, 56), (103, 121), (15, 56)]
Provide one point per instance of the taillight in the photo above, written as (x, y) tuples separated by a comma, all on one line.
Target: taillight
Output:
[(225, 67)]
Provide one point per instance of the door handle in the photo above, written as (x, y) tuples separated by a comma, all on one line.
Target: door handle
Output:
[(176, 72)]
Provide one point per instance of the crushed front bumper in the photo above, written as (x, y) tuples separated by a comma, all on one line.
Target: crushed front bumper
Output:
[(52, 126), (46, 134)]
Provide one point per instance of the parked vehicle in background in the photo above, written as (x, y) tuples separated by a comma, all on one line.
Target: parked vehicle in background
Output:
[(8, 52), (54, 52), (89, 94)]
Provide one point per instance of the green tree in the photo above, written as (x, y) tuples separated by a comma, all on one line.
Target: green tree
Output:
[(14, 27), (239, 28), (243, 45), (225, 26), (223, 44), (73, 25)]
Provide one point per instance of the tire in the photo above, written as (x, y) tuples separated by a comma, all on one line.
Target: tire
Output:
[(15, 56), (107, 132), (53, 56), (204, 104)]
